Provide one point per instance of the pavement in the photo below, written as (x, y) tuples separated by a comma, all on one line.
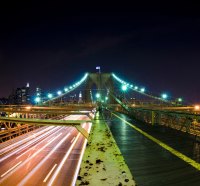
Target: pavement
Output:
[(103, 163), (156, 155)]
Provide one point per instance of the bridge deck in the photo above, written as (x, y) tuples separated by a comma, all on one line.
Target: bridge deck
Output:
[(150, 163)]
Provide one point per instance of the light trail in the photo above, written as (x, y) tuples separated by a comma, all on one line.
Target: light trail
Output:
[(48, 175), (37, 153), (73, 139), (80, 158), (22, 141), (37, 145), (28, 144), (31, 157), (62, 162), (10, 169), (43, 161)]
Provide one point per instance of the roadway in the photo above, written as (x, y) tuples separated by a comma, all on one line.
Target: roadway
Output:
[(49, 156), (150, 161)]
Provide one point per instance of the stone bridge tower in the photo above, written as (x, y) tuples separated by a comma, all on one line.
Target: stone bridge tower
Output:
[(103, 82)]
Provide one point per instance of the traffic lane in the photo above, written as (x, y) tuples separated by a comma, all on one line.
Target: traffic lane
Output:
[(27, 167), (35, 179), (65, 174), (30, 162), (9, 159), (68, 173), (20, 138), (149, 163), (23, 140), (39, 173), (33, 137)]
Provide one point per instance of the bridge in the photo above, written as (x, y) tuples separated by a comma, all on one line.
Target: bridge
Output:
[(113, 132)]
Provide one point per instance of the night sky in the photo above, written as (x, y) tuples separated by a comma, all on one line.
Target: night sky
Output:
[(53, 45)]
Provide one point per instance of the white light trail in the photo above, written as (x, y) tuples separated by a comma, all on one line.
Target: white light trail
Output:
[(32, 156), (27, 145), (73, 139), (43, 161), (62, 162), (80, 159), (50, 173), (12, 146), (10, 169)]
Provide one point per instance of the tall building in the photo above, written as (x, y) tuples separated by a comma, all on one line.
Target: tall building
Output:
[(80, 98), (20, 96), (40, 94)]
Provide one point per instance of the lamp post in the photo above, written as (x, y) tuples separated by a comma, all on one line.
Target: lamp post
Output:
[(37, 100), (124, 89)]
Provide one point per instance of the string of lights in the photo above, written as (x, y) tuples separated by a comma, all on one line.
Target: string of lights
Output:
[(142, 90), (60, 93)]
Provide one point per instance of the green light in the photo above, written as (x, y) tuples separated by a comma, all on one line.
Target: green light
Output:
[(180, 99), (106, 98), (37, 99), (98, 95), (142, 89), (50, 95), (66, 89), (59, 93), (135, 87), (124, 87), (164, 96), (131, 86)]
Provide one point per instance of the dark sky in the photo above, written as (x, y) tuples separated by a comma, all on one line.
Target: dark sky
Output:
[(53, 45)]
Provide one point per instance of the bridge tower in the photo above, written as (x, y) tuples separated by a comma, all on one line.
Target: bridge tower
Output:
[(103, 83)]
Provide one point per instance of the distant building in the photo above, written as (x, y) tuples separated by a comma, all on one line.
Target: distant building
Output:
[(4, 101), (20, 96), (40, 94), (80, 100)]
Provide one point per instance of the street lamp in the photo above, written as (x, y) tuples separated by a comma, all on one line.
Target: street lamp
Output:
[(66, 89), (142, 90), (50, 96), (196, 107), (37, 100), (180, 99), (124, 89), (164, 96), (98, 95), (59, 93)]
